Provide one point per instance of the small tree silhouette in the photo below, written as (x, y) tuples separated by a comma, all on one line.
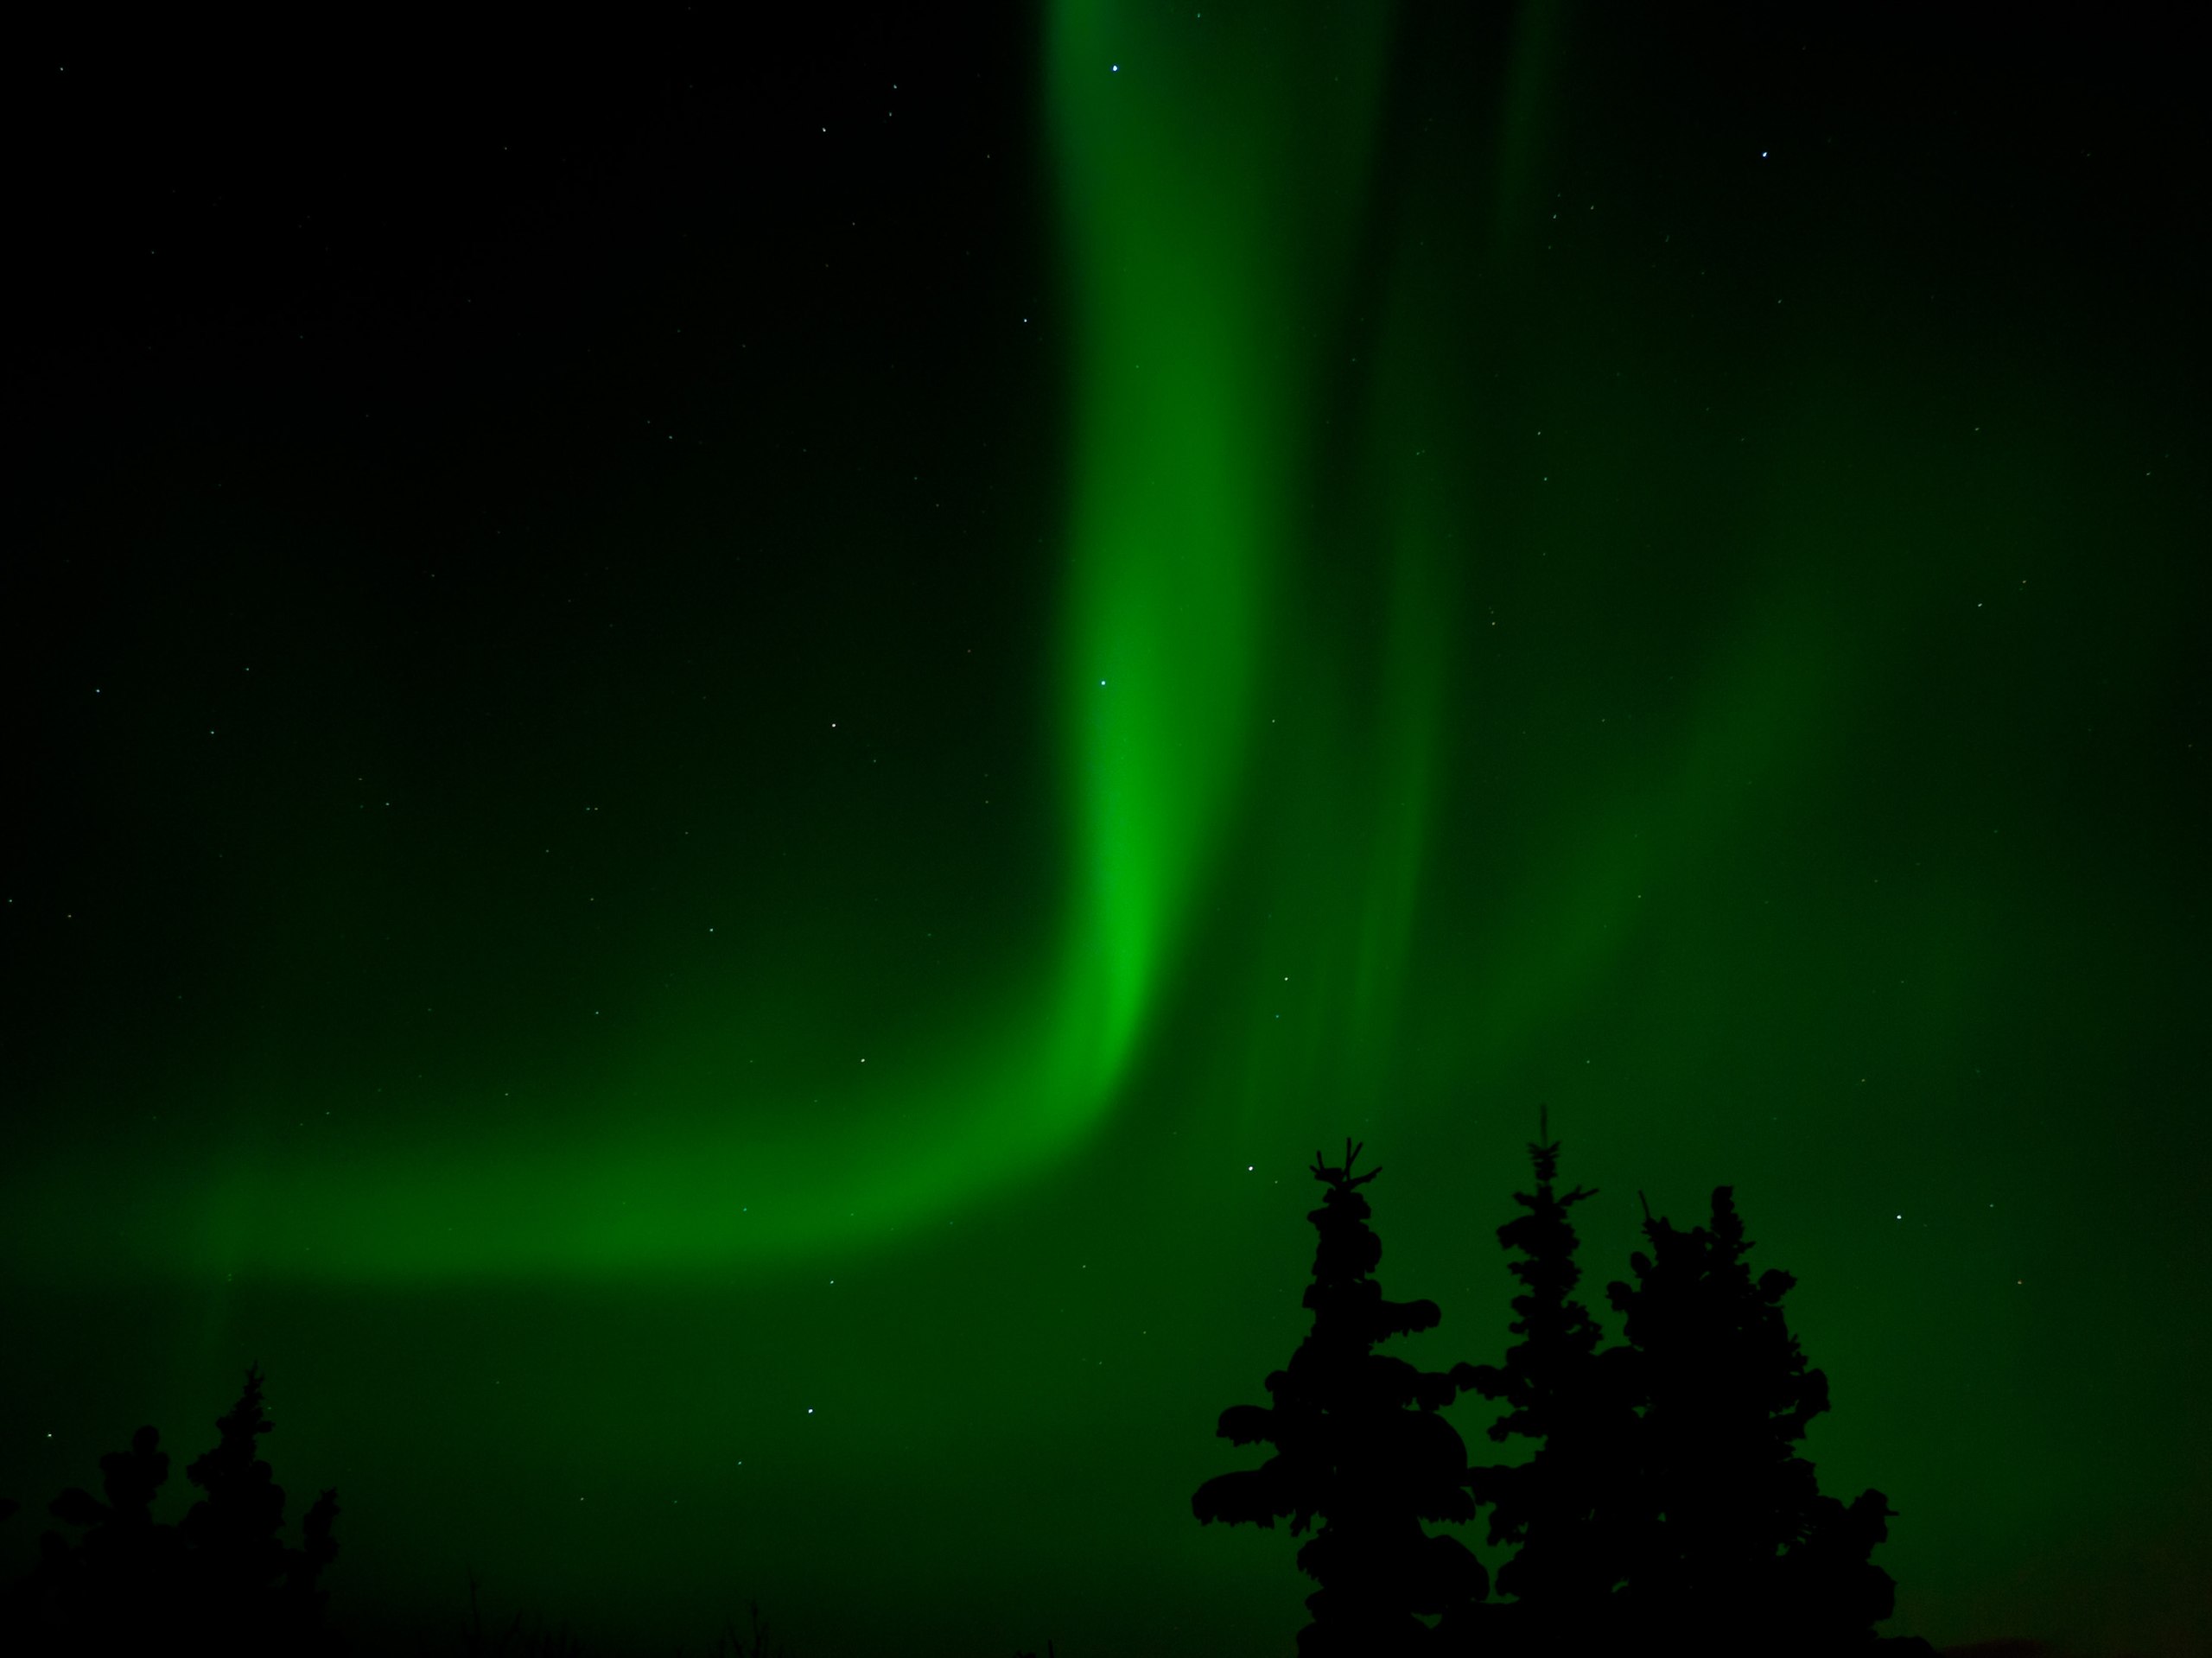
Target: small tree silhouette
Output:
[(121, 1576), (1358, 1442), (222, 1580), (1560, 1506)]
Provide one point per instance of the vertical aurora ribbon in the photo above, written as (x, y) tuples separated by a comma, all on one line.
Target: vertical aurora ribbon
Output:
[(1212, 172)]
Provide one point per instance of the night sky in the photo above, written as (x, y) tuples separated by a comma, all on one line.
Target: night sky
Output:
[(724, 745)]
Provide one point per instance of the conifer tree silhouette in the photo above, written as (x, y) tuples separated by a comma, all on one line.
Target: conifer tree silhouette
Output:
[(121, 1576), (221, 1581), (244, 1578), (1560, 1506), (1730, 1548), (1358, 1443)]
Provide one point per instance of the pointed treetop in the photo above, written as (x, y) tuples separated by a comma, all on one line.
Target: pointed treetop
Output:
[(1545, 1153), (1341, 1179)]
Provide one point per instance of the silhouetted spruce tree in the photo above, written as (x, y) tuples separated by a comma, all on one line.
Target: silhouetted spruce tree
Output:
[(1729, 1548), (1559, 1507), (1357, 1443), (221, 1581), (246, 1579), (110, 1589)]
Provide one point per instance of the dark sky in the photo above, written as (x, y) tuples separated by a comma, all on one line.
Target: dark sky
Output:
[(725, 744)]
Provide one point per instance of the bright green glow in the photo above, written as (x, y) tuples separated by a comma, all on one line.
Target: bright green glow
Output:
[(1268, 688), (1786, 766), (1250, 685), (1203, 230), (1213, 186)]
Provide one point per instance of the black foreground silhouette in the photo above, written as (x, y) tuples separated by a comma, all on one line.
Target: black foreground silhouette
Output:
[(130, 1583), (1663, 1508), (1357, 1441)]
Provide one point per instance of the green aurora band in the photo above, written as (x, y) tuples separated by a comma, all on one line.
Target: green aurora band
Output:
[(1253, 676), (1216, 183), (1538, 604)]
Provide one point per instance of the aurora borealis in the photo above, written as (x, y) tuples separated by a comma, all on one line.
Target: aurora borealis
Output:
[(728, 746)]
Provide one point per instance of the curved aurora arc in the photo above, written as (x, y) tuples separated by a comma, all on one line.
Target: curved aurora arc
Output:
[(1202, 192), (1217, 190)]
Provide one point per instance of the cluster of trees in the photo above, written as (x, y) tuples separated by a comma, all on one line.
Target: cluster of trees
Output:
[(1664, 1506), (130, 1583)]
